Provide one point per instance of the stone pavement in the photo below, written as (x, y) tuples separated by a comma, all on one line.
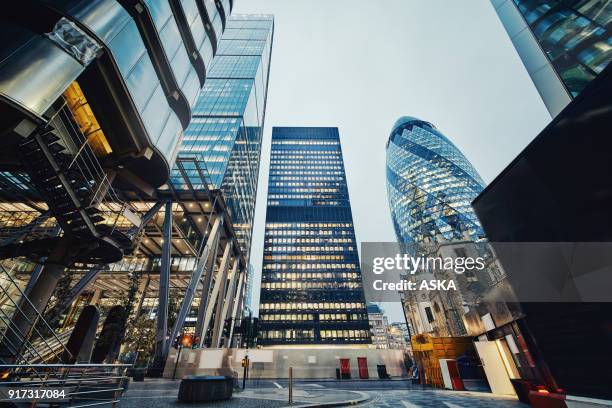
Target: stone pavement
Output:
[(432, 398), (161, 393)]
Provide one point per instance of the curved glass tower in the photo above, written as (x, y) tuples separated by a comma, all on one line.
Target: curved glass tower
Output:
[(430, 185)]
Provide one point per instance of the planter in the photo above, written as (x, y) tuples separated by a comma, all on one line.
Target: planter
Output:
[(205, 388)]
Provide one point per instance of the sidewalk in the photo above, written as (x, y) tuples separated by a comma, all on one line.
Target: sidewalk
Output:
[(160, 393), (307, 395)]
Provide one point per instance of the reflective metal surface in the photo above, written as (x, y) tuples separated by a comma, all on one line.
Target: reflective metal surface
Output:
[(36, 73)]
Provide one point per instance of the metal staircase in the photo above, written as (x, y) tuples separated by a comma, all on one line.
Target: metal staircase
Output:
[(68, 176)]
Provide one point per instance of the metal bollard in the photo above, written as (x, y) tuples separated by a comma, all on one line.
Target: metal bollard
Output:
[(290, 385)]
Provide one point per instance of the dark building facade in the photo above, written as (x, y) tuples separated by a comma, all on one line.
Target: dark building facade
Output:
[(564, 44), (558, 191), (311, 288)]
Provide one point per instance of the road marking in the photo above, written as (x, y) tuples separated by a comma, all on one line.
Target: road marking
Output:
[(451, 405), (277, 385), (407, 404)]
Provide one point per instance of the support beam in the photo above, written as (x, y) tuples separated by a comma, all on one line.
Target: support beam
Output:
[(141, 294), (95, 298), (74, 293), (226, 300), (207, 280), (31, 307), (25, 230), (40, 265), (132, 232), (220, 279), (161, 335), (235, 306), (203, 267)]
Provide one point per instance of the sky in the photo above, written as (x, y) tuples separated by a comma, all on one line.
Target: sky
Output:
[(361, 64)]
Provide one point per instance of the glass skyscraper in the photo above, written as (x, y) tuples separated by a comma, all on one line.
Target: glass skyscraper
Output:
[(224, 136), (311, 288), (564, 44), (430, 186)]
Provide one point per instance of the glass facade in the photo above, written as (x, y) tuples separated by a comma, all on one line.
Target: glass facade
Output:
[(430, 186), (564, 44), (224, 136), (574, 34), (311, 288)]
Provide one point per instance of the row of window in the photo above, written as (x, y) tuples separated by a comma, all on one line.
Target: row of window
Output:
[(305, 167), (309, 275), (346, 334), (303, 173), (317, 183), (322, 266), (310, 285), (310, 306), (310, 163), (306, 142), (305, 179), (300, 317), (273, 225), (270, 241), (298, 191), (321, 248)]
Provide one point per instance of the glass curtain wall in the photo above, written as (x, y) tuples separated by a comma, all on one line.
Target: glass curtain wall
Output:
[(311, 289)]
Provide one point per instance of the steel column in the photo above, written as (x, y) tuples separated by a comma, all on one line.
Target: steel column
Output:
[(221, 277), (223, 302), (161, 335), (196, 275), (235, 308), (142, 292), (207, 281)]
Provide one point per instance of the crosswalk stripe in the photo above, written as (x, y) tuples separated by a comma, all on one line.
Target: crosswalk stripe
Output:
[(407, 404)]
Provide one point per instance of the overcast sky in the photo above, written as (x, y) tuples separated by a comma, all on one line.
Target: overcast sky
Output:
[(360, 64)]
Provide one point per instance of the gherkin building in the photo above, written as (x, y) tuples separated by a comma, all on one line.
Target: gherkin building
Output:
[(430, 186)]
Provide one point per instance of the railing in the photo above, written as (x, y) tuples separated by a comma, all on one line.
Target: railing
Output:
[(12, 300), (83, 385), (85, 161)]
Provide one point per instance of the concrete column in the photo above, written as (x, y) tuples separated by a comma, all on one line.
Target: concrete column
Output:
[(226, 296), (31, 307), (203, 266), (235, 305), (161, 340), (220, 279)]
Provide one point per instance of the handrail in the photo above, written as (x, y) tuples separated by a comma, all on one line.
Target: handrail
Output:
[(39, 316)]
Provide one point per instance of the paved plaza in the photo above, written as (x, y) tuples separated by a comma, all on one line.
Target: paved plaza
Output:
[(161, 393)]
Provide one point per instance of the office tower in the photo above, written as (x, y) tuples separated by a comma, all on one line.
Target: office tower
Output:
[(159, 202), (379, 325), (311, 288), (564, 44), (95, 97), (225, 133), (557, 191), (430, 185)]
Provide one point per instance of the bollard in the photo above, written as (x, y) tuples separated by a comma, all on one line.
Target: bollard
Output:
[(291, 385)]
